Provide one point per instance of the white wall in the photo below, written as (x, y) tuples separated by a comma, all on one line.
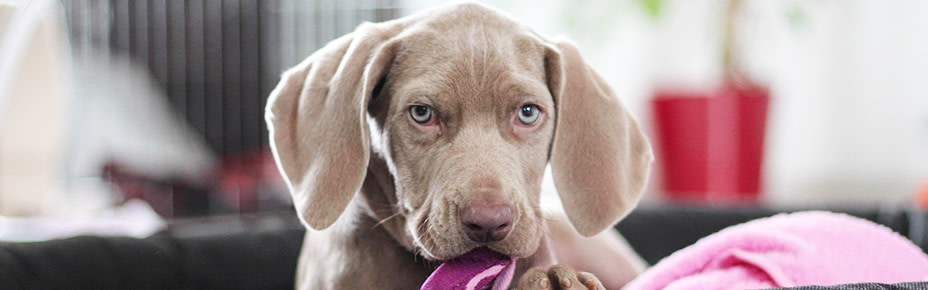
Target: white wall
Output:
[(849, 80)]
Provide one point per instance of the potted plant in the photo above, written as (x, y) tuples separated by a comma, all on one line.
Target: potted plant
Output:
[(710, 143)]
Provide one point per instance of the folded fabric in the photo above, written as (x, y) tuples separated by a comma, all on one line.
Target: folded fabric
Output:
[(787, 250), (479, 269)]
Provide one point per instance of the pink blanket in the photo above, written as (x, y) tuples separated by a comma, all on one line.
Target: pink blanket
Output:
[(807, 248)]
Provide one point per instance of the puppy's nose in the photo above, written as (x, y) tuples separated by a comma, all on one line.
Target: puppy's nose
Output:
[(486, 223)]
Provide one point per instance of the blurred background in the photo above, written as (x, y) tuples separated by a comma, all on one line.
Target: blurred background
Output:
[(120, 117)]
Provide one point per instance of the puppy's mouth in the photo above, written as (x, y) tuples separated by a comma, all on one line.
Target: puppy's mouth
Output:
[(434, 243)]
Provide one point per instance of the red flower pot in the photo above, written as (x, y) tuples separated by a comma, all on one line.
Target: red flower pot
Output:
[(711, 144)]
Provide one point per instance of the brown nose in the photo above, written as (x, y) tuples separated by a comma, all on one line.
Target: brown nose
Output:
[(486, 223)]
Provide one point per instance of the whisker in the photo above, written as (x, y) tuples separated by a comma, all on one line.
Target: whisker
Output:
[(385, 220), (423, 230)]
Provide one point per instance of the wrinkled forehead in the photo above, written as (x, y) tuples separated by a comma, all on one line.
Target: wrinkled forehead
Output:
[(472, 62)]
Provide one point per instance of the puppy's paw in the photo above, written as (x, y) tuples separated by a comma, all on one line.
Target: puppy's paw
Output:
[(558, 277)]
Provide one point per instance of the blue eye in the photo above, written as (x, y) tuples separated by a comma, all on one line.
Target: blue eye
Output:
[(420, 114), (529, 114)]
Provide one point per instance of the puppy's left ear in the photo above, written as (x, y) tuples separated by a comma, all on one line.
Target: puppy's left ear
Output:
[(599, 157), (317, 121)]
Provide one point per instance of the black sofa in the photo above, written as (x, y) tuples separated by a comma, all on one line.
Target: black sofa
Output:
[(260, 252)]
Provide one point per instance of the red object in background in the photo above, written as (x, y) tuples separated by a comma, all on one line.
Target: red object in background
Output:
[(243, 179), (711, 145), (922, 196), (241, 184)]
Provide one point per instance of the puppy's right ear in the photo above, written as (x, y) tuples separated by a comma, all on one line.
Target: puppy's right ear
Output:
[(318, 125), (599, 157)]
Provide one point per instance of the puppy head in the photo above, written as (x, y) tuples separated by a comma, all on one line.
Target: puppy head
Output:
[(466, 108)]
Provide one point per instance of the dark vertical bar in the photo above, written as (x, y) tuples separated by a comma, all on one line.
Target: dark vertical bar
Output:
[(301, 23), (231, 79), (177, 56), (103, 14), (214, 74), (288, 34), (132, 24), (74, 20), (251, 75), (158, 43), (270, 56), (139, 20), (119, 38), (196, 63)]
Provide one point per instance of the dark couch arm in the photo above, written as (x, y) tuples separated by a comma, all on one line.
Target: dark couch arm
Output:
[(262, 260)]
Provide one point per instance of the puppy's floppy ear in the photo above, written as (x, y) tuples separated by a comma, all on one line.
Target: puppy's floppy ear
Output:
[(599, 156), (318, 125)]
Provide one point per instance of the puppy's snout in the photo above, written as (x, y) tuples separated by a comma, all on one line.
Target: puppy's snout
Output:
[(485, 222)]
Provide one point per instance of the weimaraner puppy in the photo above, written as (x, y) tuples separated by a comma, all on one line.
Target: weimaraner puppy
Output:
[(413, 141)]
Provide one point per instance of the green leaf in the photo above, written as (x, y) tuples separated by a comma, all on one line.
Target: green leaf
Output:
[(653, 7)]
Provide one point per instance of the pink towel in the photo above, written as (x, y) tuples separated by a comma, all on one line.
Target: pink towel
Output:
[(786, 250)]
